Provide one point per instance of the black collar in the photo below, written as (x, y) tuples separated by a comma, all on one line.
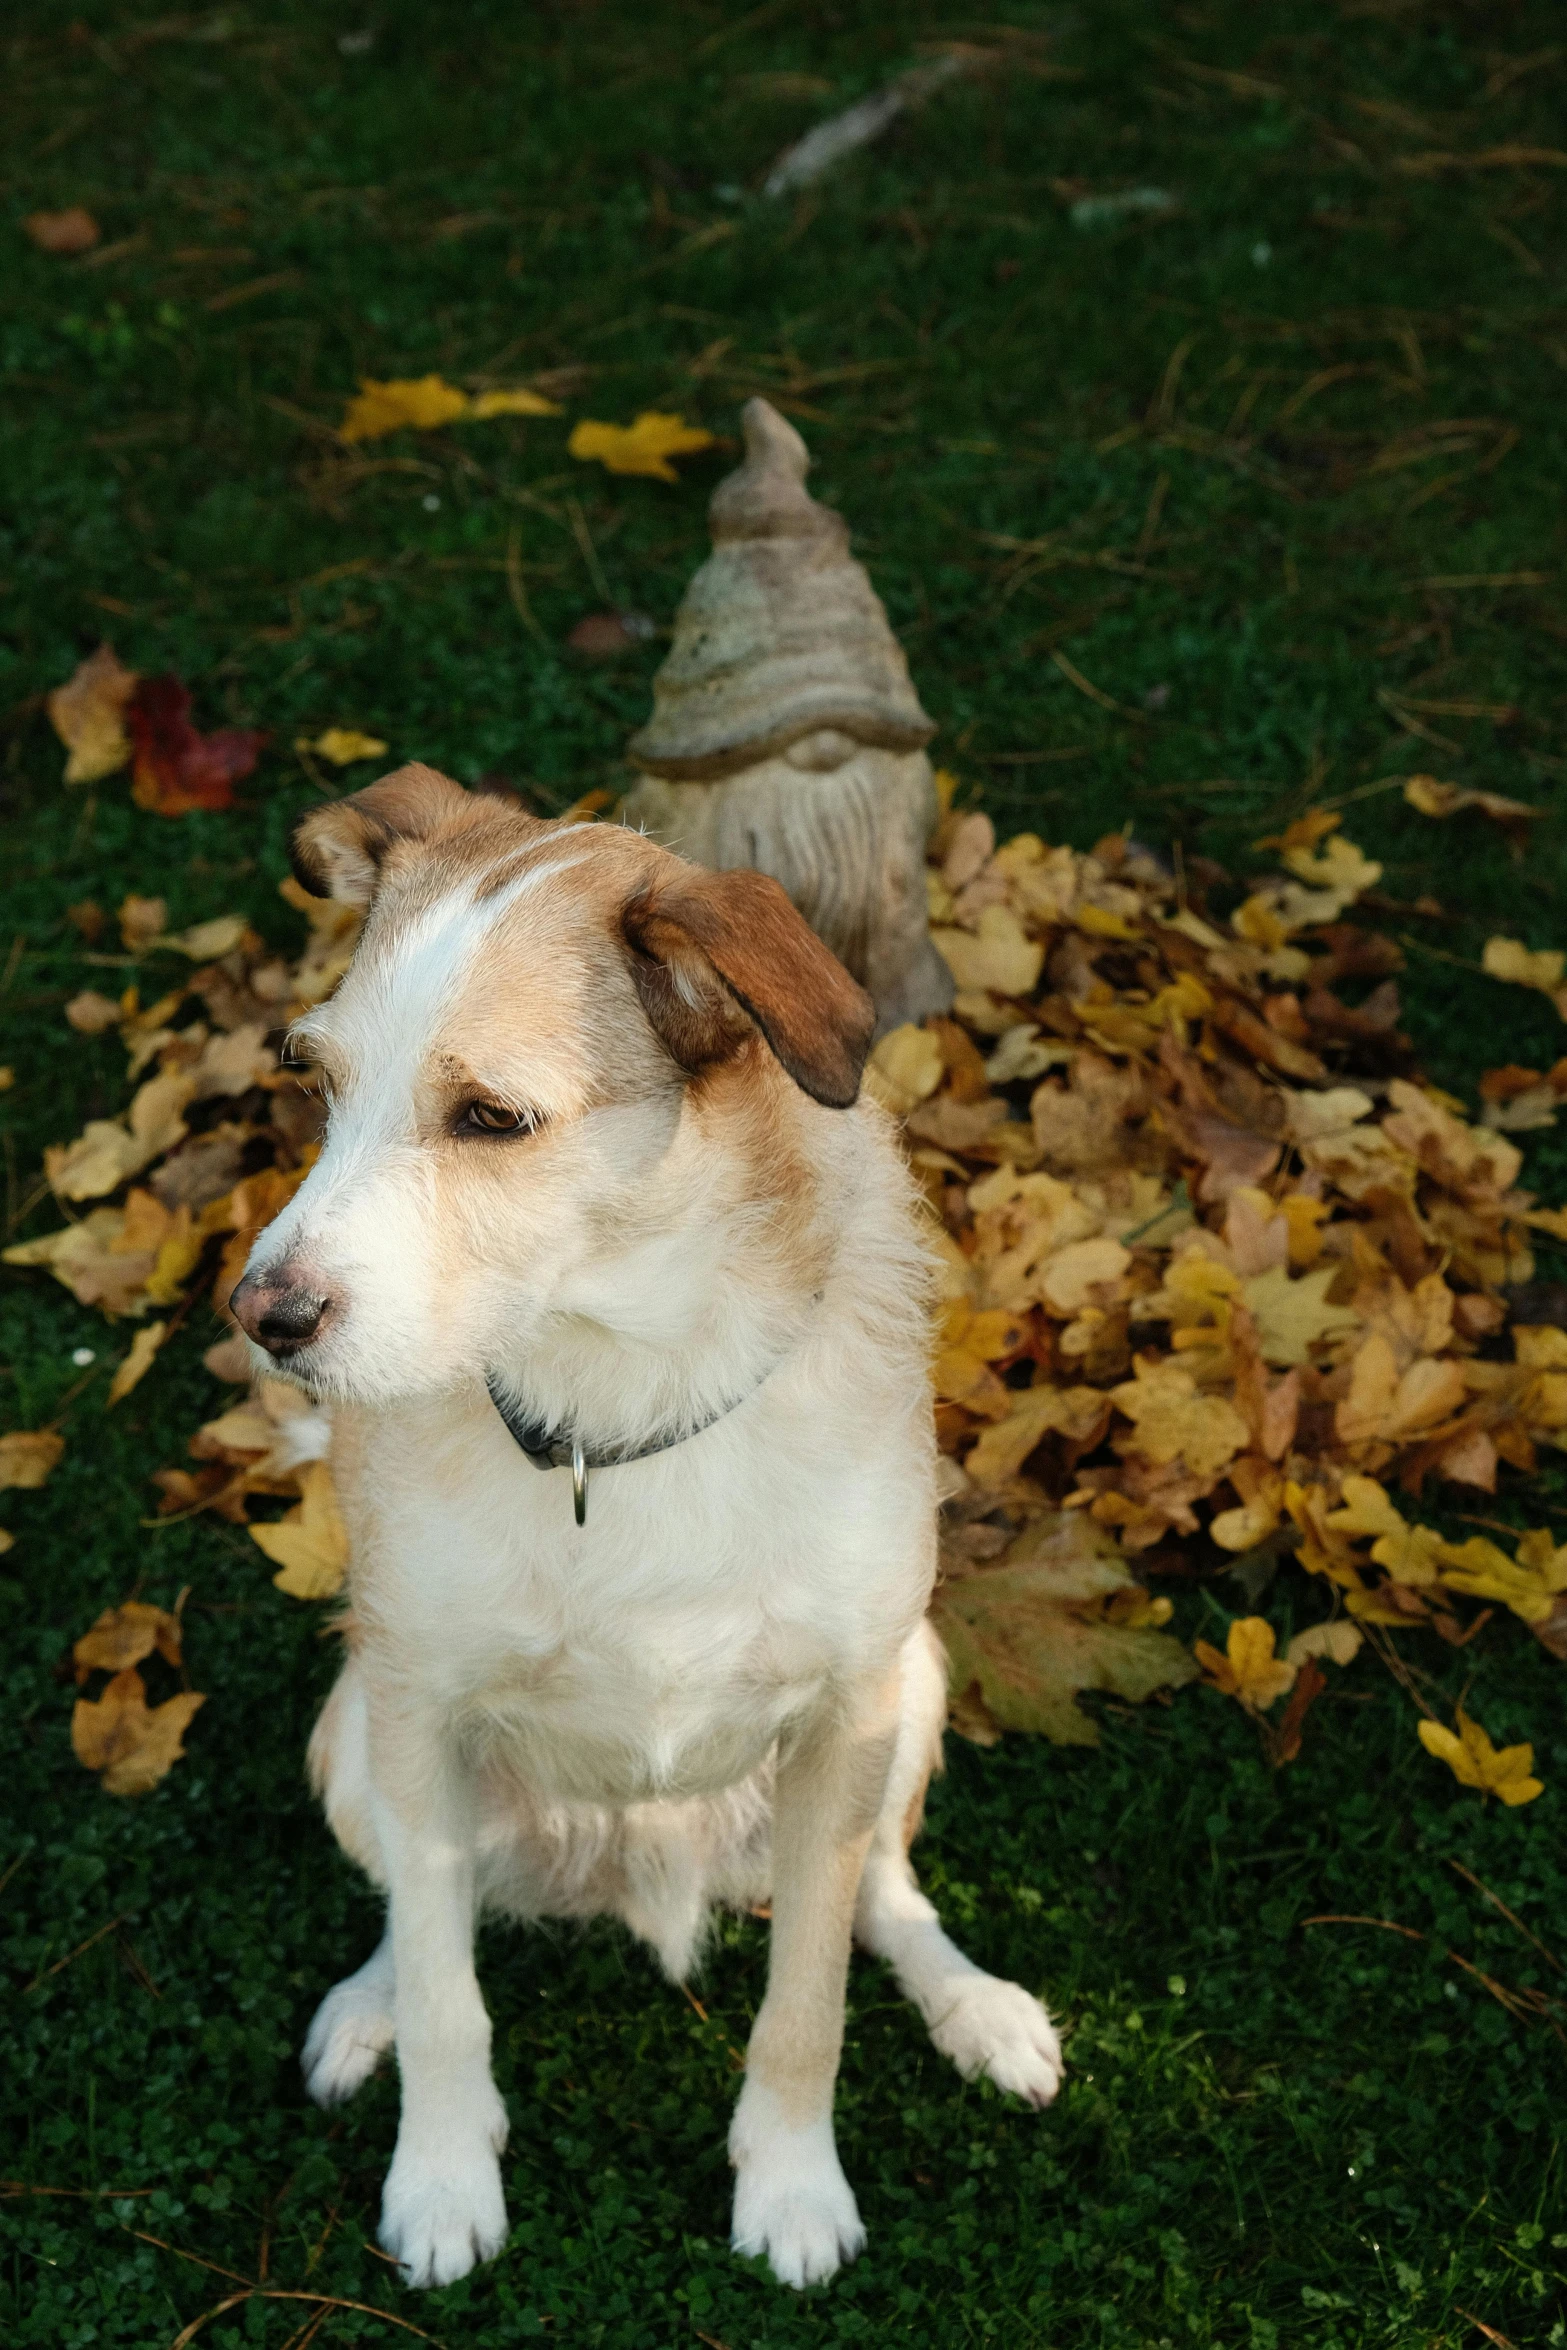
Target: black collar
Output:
[(553, 1448)]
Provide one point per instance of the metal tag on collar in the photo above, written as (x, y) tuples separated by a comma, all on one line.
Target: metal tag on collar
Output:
[(579, 1482)]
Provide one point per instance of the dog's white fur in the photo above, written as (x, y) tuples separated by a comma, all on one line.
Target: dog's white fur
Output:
[(722, 1689)]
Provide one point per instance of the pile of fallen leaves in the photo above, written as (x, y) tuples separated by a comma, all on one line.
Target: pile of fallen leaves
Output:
[(1224, 1283)]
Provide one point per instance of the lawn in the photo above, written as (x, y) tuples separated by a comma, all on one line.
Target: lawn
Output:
[(1295, 442)]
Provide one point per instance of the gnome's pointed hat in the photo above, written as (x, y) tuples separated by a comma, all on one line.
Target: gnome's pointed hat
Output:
[(779, 634)]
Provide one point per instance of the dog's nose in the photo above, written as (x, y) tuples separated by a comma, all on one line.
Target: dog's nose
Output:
[(280, 1315)]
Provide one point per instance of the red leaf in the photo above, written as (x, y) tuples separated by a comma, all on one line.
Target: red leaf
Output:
[(177, 769)]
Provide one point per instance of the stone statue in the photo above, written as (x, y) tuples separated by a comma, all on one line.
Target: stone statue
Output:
[(786, 734)]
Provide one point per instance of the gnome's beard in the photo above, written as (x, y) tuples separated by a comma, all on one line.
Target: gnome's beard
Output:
[(847, 843)]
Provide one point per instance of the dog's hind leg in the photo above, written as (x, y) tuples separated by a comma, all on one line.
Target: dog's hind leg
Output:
[(353, 2027), (983, 2024)]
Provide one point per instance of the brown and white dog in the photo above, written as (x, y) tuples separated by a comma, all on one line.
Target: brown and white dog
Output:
[(594, 1182)]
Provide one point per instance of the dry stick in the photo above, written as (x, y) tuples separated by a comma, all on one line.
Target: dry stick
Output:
[(76, 1953), (586, 548), (1519, 2005), (1074, 676), (1497, 1903), (326, 2302), (515, 588), (1342, 1918), (1502, 2341)]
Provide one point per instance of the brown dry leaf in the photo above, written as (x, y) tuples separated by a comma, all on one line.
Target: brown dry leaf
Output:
[(88, 715), (137, 1363), (132, 1744), (1389, 1407), (1035, 1630), (91, 1013), (72, 231), (1293, 1316), (310, 1544), (123, 1635), (997, 955), (29, 1457), (1080, 1414)]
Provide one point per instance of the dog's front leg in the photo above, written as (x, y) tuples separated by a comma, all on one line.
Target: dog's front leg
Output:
[(792, 2200), (443, 2207)]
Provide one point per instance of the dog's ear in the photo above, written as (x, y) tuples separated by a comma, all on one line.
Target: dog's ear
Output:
[(703, 943), (336, 851)]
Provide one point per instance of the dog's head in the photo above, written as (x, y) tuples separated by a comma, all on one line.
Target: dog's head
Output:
[(559, 1058)]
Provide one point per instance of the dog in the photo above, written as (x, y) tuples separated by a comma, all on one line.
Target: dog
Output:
[(598, 1197)]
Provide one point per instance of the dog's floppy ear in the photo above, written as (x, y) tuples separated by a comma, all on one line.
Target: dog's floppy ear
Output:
[(336, 851), (741, 930)]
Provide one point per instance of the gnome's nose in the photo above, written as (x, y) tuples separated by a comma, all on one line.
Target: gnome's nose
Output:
[(279, 1314)]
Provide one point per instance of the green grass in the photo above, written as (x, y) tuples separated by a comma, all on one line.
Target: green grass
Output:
[(1273, 2134)]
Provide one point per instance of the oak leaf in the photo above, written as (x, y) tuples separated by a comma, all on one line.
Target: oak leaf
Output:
[(132, 1744), (643, 447), (310, 1543), (88, 715), (1475, 1762), (1037, 1629)]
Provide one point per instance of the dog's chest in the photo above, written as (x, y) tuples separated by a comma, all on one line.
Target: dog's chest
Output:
[(649, 1655)]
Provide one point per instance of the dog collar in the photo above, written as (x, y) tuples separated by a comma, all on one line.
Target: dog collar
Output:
[(552, 1448)]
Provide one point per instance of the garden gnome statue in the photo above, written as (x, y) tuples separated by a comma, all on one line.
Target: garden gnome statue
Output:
[(786, 734)]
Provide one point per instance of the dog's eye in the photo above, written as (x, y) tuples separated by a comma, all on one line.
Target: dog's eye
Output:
[(495, 1118)]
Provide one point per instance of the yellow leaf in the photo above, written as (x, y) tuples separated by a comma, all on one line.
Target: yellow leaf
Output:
[(207, 942), (343, 745), (1475, 1762), (88, 715), (1248, 1668), (905, 1068), (1174, 1422), (1382, 1405), (132, 1744), (1339, 866), (518, 403), (1067, 1279), (1339, 1642), (1293, 1315), (1431, 798), (999, 956), (310, 1544), (1510, 959), (1076, 1413), (124, 1635), (1101, 922), (28, 1457), (138, 1362), (644, 446), (1041, 1626), (1411, 1554), (424, 401)]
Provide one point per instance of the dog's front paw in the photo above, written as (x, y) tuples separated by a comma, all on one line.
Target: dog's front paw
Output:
[(443, 2209), (1000, 2030), (349, 2034), (792, 2201)]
